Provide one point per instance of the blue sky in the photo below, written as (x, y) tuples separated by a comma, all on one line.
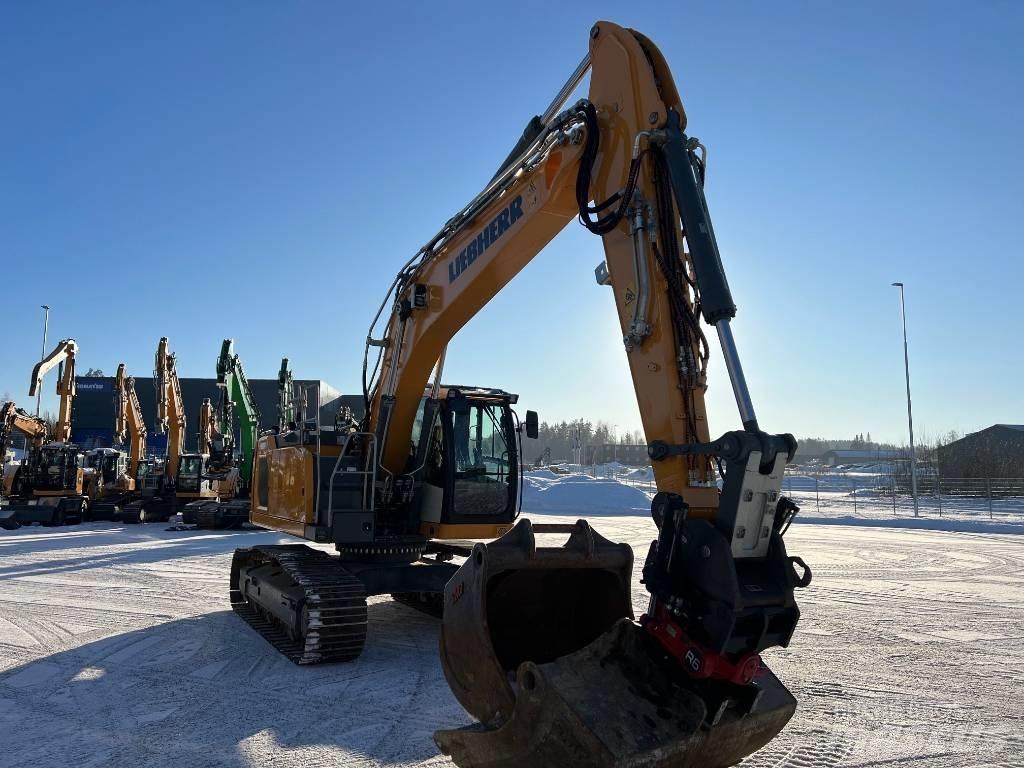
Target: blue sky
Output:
[(261, 170)]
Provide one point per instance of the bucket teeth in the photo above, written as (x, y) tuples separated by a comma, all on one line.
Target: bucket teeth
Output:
[(618, 703), (539, 645)]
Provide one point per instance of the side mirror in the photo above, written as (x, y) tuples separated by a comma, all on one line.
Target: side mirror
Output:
[(532, 425)]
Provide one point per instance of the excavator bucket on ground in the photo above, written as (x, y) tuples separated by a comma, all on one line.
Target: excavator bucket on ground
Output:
[(539, 645)]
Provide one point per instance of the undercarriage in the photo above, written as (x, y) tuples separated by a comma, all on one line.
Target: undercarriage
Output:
[(311, 605)]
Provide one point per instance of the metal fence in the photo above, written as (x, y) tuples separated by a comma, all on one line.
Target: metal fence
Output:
[(997, 498), (876, 495)]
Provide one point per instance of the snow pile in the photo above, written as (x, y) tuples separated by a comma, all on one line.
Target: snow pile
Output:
[(579, 494), (575, 494), (639, 473)]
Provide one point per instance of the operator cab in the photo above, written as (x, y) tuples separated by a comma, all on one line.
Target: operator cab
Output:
[(57, 467), (108, 463), (462, 479), (149, 475), (466, 461), (192, 479)]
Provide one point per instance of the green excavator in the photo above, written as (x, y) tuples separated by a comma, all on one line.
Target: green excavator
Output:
[(229, 466)]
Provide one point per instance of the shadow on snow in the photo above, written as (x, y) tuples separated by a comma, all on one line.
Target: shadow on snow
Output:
[(208, 691)]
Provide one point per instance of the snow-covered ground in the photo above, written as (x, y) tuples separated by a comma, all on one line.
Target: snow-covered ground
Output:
[(117, 647), (848, 499)]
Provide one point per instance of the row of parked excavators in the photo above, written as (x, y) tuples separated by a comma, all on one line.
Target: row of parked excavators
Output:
[(57, 482)]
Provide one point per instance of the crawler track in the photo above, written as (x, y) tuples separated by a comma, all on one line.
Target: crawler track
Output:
[(333, 614)]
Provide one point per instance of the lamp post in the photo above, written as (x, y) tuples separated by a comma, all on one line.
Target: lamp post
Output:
[(910, 412), (42, 355)]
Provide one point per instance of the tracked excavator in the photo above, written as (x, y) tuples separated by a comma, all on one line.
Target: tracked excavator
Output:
[(118, 469), (35, 430), (163, 487), (539, 642), (229, 470), (53, 477)]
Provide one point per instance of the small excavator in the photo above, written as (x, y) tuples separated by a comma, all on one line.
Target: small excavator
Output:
[(163, 487), (229, 470), (539, 643), (117, 471), (53, 478), (14, 419)]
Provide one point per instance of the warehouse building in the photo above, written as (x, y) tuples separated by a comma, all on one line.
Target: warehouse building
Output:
[(995, 452), (840, 456), (92, 419), (628, 454)]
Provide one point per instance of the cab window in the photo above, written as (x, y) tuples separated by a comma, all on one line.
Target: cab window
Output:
[(481, 458)]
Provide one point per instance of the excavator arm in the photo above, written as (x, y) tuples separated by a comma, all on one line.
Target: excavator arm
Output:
[(610, 148), (287, 403), (63, 355), (170, 408), (237, 400), (14, 419), (130, 426), (207, 427)]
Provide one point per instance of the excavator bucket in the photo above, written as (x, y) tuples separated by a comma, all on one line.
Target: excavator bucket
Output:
[(538, 644)]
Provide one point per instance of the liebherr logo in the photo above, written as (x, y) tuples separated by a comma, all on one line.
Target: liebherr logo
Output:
[(487, 237)]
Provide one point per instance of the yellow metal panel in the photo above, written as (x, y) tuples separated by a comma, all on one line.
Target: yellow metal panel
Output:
[(264, 520), (464, 530), (291, 484)]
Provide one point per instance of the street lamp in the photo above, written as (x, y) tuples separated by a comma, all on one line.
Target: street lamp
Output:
[(910, 412), (42, 355)]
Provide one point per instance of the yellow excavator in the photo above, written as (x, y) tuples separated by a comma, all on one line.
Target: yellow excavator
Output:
[(53, 477), (228, 469), (36, 431), (180, 477), (117, 470), (538, 642)]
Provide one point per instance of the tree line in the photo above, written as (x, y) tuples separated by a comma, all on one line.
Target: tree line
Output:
[(556, 441)]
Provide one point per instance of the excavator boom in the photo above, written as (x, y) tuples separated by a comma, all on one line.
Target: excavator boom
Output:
[(601, 149), (238, 401), (287, 402), (130, 424), (63, 356), (170, 418), (14, 419)]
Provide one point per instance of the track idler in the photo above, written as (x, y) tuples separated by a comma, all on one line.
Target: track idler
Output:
[(538, 644)]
